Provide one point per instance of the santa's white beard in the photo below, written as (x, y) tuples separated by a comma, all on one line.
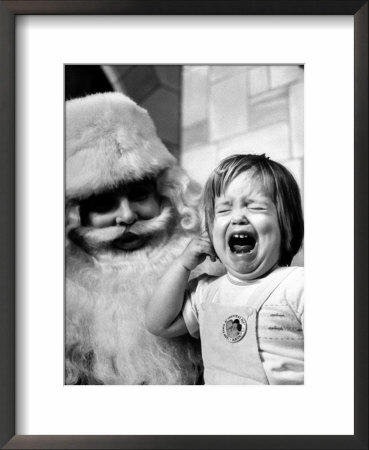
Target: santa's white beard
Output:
[(106, 338)]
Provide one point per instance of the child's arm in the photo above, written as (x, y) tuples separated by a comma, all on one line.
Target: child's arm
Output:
[(163, 312)]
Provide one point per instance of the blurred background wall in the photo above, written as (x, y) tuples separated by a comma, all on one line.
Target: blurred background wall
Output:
[(242, 109), (205, 113)]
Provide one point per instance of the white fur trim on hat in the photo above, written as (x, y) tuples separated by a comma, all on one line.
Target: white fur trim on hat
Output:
[(110, 140)]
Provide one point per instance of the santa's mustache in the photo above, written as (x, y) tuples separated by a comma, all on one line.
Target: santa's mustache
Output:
[(98, 238)]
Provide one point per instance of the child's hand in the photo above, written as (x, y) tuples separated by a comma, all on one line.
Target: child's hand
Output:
[(196, 251)]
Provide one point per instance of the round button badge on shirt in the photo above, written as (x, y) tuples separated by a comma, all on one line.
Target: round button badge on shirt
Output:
[(234, 328)]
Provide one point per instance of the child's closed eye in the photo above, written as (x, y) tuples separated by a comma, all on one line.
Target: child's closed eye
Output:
[(222, 210), (257, 207)]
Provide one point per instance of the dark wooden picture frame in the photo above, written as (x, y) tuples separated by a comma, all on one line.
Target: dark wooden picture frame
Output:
[(8, 282)]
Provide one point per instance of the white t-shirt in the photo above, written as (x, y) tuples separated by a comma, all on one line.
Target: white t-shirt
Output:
[(280, 320)]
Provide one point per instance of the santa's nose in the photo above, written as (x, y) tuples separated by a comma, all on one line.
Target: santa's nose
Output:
[(125, 215)]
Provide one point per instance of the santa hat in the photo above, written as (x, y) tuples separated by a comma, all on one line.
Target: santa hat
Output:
[(110, 140)]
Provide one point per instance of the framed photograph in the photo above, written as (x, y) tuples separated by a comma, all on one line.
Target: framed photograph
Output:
[(287, 80)]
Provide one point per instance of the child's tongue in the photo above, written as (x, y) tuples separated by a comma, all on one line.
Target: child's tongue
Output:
[(243, 248)]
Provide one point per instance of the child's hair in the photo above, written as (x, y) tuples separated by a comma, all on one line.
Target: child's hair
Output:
[(283, 190)]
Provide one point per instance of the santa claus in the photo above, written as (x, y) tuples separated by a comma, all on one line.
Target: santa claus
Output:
[(130, 210)]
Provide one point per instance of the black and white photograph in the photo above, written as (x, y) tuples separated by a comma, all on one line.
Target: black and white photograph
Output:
[(184, 224)]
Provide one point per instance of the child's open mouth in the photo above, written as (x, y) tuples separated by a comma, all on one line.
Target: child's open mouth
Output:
[(241, 243)]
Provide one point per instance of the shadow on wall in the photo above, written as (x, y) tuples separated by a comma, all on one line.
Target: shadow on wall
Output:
[(82, 80)]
